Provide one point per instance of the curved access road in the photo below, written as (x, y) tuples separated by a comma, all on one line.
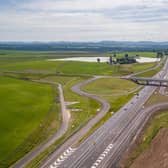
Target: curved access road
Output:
[(105, 106), (62, 130)]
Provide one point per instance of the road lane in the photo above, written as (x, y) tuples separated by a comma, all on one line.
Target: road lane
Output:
[(87, 153)]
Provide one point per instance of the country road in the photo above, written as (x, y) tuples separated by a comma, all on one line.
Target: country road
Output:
[(62, 130)]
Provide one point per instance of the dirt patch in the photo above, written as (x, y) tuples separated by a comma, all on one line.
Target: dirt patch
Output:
[(156, 156), (128, 156)]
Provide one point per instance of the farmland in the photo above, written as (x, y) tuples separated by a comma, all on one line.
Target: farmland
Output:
[(23, 106), (37, 104), (76, 68)]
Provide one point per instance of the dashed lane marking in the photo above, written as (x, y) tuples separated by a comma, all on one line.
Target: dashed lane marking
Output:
[(62, 158), (102, 156)]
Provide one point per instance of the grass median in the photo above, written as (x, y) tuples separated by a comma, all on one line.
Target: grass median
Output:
[(109, 86)]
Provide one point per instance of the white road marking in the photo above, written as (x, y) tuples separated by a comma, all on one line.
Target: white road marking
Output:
[(98, 161), (62, 158), (102, 156), (52, 166), (93, 167), (96, 164), (105, 152)]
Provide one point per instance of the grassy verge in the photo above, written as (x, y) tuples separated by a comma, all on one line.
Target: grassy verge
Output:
[(152, 72), (14, 56), (159, 121), (155, 97), (27, 117)]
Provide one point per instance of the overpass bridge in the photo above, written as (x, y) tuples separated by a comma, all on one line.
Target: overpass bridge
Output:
[(148, 81)]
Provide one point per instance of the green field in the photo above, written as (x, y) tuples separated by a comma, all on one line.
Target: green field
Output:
[(76, 68), (64, 80), (37, 61), (152, 72), (37, 105), (61, 54), (107, 86), (13, 56), (141, 54), (23, 107), (52, 121)]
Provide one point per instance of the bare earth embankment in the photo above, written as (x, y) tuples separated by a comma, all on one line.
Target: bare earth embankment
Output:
[(156, 156)]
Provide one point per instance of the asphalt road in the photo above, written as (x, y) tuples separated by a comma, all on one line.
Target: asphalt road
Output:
[(106, 145), (162, 90)]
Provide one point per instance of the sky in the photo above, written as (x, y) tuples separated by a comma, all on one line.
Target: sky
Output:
[(83, 20)]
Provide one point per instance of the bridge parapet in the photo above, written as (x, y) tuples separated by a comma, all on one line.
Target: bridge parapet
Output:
[(149, 81)]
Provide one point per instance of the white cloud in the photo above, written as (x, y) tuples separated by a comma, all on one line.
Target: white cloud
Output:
[(77, 4), (84, 20)]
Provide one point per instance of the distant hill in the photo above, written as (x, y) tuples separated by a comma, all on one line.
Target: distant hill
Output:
[(102, 46)]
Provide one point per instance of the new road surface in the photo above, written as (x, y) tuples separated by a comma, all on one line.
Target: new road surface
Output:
[(105, 146)]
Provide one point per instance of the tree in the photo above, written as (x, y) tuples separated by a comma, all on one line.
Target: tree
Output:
[(166, 52), (159, 54), (126, 56), (98, 60), (111, 60), (114, 55)]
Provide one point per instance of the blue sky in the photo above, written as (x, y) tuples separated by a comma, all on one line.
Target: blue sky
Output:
[(83, 20)]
